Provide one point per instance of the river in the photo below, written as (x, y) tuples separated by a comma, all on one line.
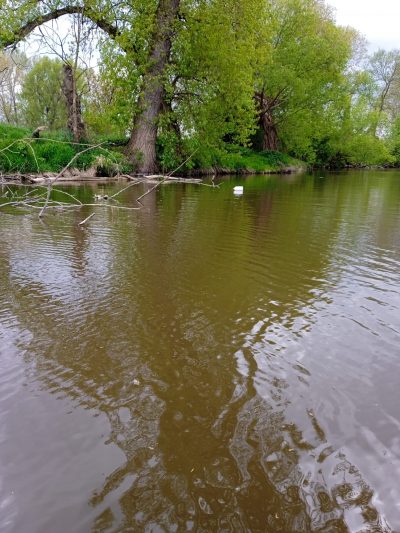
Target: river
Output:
[(211, 362)]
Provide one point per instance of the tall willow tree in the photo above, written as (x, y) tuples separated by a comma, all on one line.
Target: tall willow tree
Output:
[(214, 67), (179, 53), (302, 72)]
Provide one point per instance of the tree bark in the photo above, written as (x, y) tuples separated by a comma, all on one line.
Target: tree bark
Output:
[(270, 132), (75, 123), (38, 19), (266, 120), (141, 148)]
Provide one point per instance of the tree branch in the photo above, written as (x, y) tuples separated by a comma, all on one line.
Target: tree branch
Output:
[(55, 14)]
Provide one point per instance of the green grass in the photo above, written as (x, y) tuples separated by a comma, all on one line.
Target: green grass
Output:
[(236, 159), (244, 159), (12, 132), (20, 153)]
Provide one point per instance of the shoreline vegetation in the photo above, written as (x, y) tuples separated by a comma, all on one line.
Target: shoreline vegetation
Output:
[(24, 158), (215, 87)]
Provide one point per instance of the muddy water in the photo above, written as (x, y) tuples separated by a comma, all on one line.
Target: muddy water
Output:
[(208, 363)]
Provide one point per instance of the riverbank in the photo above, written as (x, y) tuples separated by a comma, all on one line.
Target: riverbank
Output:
[(82, 176), (240, 160), (23, 158)]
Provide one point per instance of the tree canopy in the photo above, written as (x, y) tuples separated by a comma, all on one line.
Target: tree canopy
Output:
[(41, 98)]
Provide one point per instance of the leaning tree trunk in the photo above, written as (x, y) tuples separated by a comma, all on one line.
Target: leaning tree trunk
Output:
[(270, 132), (142, 144), (73, 101)]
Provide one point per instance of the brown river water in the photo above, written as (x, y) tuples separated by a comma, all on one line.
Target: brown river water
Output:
[(208, 363)]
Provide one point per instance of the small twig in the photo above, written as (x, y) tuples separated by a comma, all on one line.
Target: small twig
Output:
[(111, 206), (49, 187), (181, 165), (68, 194), (9, 146), (34, 155), (86, 219), (20, 201), (152, 189), (125, 188)]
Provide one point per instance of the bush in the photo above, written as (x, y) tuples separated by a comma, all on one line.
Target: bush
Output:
[(368, 150), (239, 159)]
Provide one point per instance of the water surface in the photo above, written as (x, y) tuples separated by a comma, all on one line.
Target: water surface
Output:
[(208, 363)]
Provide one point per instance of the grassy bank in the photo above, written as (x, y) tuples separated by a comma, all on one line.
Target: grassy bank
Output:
[(239, 160), (20, 153)]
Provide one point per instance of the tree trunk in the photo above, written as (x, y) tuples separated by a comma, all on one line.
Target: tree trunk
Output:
[(270, 132), (142, 144), (266, 105), (75, 123)]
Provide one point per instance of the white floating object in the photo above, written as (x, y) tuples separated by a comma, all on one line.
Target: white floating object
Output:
[(101, 196), (238, 189)]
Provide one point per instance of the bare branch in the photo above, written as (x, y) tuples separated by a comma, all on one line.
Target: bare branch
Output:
[(49, 187), (86, 219), (29, 27)]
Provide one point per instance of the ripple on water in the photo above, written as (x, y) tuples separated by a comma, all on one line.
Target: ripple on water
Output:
[(207, 364)]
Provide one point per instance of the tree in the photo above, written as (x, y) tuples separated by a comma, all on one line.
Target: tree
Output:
[(118, 21), (142, 144), (302, 71), (42, 98), (13, 68), (73, 47), (384, 68), (214, 64), (148, 36)]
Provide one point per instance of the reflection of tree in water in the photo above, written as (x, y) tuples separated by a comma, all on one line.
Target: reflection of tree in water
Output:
[(315, 487), (196, 456)]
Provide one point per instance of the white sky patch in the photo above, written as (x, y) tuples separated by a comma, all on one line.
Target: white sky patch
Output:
[(378, 21), (59, 43)]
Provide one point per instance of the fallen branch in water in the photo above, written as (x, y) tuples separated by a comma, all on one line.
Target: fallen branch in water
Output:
[(150, 190), (50, 184), (86, 219), (42, 202)]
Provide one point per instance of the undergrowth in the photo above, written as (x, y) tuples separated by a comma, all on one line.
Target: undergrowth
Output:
[(244, 159), (19, 152)]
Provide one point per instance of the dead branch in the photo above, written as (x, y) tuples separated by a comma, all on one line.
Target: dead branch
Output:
[(49, 186), (86, 219), (43, 201)]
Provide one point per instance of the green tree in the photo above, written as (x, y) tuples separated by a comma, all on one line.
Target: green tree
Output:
[(13, 67), (302, 74), (384, 68), (352, 139), (121, 22), (212, 73), (42, 99), (185, 75), (147, 35)]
